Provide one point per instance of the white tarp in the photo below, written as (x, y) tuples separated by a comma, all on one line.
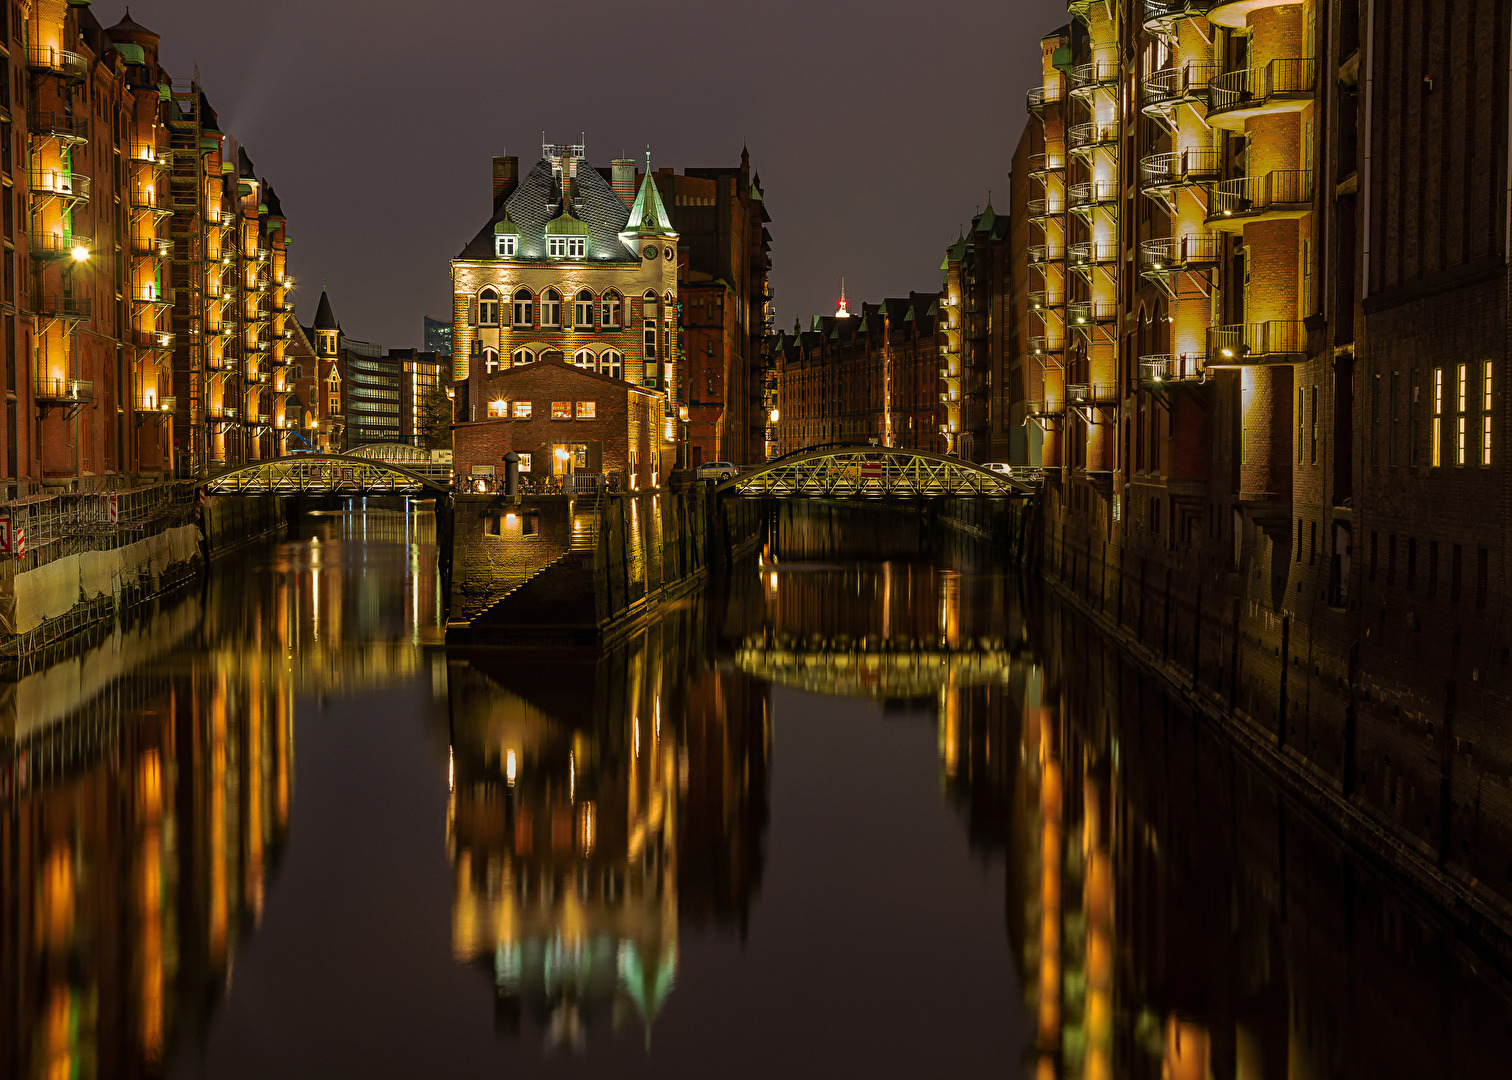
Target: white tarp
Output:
[(46, 592)]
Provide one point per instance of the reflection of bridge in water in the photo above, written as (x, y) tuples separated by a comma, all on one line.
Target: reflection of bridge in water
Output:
[(875, 667), (875, 472)]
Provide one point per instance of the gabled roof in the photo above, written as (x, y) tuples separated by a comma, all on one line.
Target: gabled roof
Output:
[(648, 217), (537, 201)]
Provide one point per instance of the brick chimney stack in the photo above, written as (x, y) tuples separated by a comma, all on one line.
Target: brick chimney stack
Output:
[(623, 181), (506, 177)]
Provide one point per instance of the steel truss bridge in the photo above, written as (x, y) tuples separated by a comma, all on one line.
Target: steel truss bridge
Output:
[(874, 472), (843, 668), (324, 474)]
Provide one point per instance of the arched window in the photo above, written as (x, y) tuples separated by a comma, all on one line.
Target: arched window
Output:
[(584, 359), (611, 364), (551, 308), (582, 311), (490, 360), (522, 356), (523, 315), (488, 307), (648, 306), (612, 305), (667, 311)]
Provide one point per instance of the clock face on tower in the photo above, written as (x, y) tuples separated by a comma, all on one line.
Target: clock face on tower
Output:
[(650, 252)]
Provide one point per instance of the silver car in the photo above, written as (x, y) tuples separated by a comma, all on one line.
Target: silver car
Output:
[(718, 471)]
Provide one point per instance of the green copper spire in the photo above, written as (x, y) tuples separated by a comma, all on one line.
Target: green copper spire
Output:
[(648, 216)]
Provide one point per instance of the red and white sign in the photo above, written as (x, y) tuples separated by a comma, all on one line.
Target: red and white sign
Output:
[(5, 536), (20, 544), (12, 539), (113, 513)]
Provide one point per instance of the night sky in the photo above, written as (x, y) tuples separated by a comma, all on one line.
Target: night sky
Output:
[(877, 127)]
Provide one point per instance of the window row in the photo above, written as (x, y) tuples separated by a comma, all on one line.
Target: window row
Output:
[(1408, 547), (609, 362), (501, 408), (524, 309), (557, 247), (1459, 406)]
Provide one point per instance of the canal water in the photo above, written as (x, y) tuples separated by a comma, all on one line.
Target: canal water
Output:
[(868, 808)]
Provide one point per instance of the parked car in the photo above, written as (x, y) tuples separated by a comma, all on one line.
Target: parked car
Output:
[(999, 467), (718, 471)]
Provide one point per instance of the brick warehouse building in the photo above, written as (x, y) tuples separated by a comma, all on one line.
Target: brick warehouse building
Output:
[(145, 293), (1273, 286), (865, 377)]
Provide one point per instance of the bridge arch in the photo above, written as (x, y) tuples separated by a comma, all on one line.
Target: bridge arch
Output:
[(873, 472), (324, 474)]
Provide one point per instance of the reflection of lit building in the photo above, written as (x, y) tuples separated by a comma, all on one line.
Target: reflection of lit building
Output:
[(578, 847)]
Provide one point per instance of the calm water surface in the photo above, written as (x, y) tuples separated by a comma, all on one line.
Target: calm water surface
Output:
[(863, 810)]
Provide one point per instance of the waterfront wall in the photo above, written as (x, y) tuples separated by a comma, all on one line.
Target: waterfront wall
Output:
[(1350, 700)]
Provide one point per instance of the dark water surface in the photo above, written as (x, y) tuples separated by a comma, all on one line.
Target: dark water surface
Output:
[(863, 810)]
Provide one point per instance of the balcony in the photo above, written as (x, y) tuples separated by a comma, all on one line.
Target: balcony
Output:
[(1285, 193), (1040, 96), (69, 65), (1046, 253), (1091, 253), (152, 247), (1164, 369), (1046, 346), (1277, 342), (1083, 395), (1160, 174), (1040, 165), (1165, 91), (1173, 255), (1282, 86), (151, 300), (144, 199), (159, 407), (1088, 137), (51, 245), (1086, 78), (1083, 315), (59, 184), (1162, 15), (1040, 209), (1042, 300), (64, 391), (1234, 14), (63, 306), (1088, 195), (152, 339), (1044, 409), (259, 255), (51, 124), (221, 412)]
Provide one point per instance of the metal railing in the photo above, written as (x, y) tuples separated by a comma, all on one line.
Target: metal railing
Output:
[(59, 61), (1179, 253), (221, 412), (1159, 13), (1166, 368), (1040, 96), (1095, 133), (156, 247), (62, 306), (1043, 253), (1090, 312), (1248, 195), (1092, 193), (1041, 208), (152, 339), (1051, 161), (52, 124), (61, 183), (1251, 343), (50, 245), (1042, 300), (1173, 86), (1253, 88), (1091, 393), (1174, 169), (67, 390), (1044, 345), (1044, 408), (1094, 74), (1093, 253), (162, 405)]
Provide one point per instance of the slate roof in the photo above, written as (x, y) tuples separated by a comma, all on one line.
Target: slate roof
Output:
[(538, 200), (130, 26), (325, 318)]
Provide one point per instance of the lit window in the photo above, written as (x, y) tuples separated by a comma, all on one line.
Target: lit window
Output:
[(335, 405), (1462, 399), (583, 359), (1486, 416), (587, 410), (498, 408), (582, 310), (577, 247), (488, 308), (522, 306), (1437, 449), (611, 364), (525, 462), (551, 308), (522, 410), (561, 410), (557, 247), (522, 356), (612, 311), (504, 246), (490, 360)]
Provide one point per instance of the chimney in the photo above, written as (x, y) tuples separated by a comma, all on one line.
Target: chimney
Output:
[(624, 179), (506, 177)]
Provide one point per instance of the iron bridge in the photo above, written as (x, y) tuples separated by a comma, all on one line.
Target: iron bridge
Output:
[(878, 472), (844, 668), (324, 474)]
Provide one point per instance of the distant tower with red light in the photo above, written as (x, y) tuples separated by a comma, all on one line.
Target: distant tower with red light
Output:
[(843, 311)]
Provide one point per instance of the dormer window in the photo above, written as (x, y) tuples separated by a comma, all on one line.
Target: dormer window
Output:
[(577, 247), (556, 247), (504, 246)]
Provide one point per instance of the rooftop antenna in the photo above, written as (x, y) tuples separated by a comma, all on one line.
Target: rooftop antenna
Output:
[(648, 159)]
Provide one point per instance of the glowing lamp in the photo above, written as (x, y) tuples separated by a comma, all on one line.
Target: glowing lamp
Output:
[(561, 454), (1228, 354), (776, 416), (80, 253)]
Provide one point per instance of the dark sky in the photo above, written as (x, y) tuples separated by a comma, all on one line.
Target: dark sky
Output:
[(877, 127)]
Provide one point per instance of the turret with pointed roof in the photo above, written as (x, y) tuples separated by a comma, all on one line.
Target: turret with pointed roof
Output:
[(325, 318)]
